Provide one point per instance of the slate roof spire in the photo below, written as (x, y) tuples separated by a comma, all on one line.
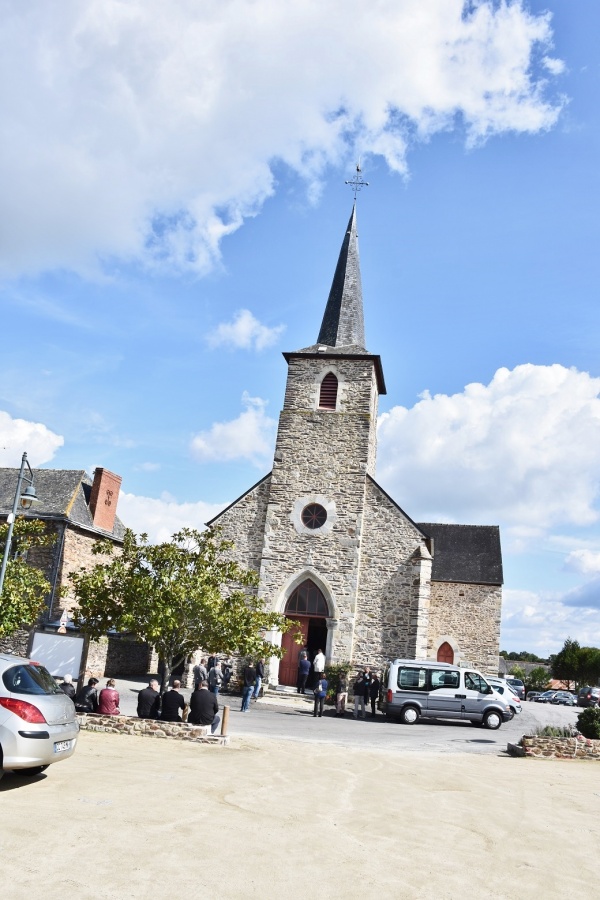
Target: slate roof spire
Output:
[(343, 323)]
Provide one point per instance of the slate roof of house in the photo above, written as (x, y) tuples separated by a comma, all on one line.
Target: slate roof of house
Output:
[(63, 493), (343, 322), (468, 554)]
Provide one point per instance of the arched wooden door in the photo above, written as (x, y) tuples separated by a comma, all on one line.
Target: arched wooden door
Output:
[(445, 653), (307, 605)]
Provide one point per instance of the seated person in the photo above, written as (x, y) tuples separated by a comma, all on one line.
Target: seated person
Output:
[(87, 698), (172, 702), (108, 702), (204, 707)]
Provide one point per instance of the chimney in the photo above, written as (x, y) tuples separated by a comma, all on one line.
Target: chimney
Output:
[(104, 498)]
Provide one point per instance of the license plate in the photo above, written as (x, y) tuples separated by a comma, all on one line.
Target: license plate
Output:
[(61, 746)]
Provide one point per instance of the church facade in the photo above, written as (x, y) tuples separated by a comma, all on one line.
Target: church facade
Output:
[(332, 549)]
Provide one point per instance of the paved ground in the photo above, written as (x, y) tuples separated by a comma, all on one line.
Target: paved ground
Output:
[(130, 817)]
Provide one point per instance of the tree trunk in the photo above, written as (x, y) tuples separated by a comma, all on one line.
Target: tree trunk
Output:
[(166, 675)]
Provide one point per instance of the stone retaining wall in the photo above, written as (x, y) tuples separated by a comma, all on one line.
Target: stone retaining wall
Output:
[(561, 748), (150, 728)]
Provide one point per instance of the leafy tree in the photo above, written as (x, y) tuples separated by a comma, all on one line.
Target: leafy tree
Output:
[(588, 665), (178, 596), (588, 722), (25, 586), (517, 672), (538, 679), (566, 664)]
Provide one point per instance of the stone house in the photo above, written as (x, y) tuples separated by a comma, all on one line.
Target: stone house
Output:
[(332, 549), (78, 511)]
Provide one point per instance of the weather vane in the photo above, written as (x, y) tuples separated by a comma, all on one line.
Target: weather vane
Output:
[(357, 184)]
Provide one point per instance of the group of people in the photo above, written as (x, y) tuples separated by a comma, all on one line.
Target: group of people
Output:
[(214, 672), (366, 688), (89, 699)]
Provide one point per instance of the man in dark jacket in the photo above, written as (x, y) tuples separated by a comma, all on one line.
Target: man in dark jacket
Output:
[(374, 692), (149, 701), (172, 702), (87, 698), (204, 707), (248, 686), (303, 672), (67, 686)]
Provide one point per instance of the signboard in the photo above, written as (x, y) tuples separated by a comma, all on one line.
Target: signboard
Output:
[(60, 654)]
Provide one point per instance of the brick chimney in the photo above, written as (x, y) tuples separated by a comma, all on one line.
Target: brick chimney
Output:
[(104, 498)]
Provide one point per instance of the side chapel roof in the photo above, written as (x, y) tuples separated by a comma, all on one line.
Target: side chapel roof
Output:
[(467, 554)]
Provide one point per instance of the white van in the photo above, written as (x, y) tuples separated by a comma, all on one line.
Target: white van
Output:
[(416, 688)]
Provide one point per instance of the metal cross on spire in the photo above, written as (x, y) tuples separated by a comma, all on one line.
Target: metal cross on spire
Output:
[(357, 183)]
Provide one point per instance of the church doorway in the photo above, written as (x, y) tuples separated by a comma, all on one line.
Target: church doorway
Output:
[(445, 653), (307, 605)]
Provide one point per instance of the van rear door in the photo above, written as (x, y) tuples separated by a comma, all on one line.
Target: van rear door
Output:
[(445, 698)]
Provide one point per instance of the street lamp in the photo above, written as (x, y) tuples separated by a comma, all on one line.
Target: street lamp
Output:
[(23, 499)]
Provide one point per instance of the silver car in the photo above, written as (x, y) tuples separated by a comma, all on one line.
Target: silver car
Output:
[(37, 721)]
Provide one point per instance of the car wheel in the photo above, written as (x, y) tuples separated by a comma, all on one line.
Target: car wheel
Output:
[(33, 770), (492, 720), (409, 715), (511, 714)]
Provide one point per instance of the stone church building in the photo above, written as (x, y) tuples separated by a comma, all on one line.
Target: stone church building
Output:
[(333, 550)]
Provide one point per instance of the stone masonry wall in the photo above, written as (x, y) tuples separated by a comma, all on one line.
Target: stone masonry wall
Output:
[(77, 554), (470, 614), (150, 728), (244, 524), (321, 456), (392, 612), (561, 748)]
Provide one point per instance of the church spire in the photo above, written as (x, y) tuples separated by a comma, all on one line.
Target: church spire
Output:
[(343, 323)]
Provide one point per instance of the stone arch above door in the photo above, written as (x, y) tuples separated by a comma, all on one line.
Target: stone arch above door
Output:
[(308, 573), (307, 600)]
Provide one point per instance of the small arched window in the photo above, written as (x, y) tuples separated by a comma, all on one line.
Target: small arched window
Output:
[(328, 394), (445, 653)]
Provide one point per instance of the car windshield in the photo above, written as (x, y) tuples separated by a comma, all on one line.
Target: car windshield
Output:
[(28, 679)]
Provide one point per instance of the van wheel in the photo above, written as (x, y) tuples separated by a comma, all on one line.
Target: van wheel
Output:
[(33, 770), (409, 715), (492, 720)]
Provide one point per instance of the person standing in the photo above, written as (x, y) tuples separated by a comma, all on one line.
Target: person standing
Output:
[(87, 698), (248, 687), (320, 694), (204, 707), (374, 693), (319, 664), (359, 695), (342, 694), (172, 702), (148, 704), (67, 686), (260, 674), (215, 678), (303, 673), (200, 673), (108, 703)]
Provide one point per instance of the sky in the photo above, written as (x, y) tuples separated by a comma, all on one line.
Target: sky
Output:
[(173, 203)]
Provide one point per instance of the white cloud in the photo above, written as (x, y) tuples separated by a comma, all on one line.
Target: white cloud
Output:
[(147, 131), (554, 66), (246, 332), (522, 451), (161, 518), (585, 561), (251, 436), (540, 623), (18, 436)]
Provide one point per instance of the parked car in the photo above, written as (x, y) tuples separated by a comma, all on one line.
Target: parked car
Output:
[(507, 692), (565, 698), (588, 696), (533, 695), (546, 697), (417, 689), (518, 685), (37, 720)]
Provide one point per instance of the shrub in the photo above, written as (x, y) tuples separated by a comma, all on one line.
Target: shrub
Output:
[(332, 674), (554, 731), (588, 722)]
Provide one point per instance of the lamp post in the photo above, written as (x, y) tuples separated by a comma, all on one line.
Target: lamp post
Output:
[(24, 500)]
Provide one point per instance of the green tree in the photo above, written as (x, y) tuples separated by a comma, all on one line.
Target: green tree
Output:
[(538, 679), (25, 586), (178, 596), (517, 672), (565, 665), (588, 665)]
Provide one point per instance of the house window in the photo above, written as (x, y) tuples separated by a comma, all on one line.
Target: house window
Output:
[(307, 600), (328, 394)]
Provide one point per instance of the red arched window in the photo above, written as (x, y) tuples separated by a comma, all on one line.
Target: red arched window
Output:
[(328, 395), (445, 653)]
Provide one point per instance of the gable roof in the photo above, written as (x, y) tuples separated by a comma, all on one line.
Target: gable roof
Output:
[(468, 554), (63, 494)]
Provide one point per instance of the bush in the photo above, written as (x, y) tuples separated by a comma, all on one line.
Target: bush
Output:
[(556, 731), (588, 722), (332, 674)]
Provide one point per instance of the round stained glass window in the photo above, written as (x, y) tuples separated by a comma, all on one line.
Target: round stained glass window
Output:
[(314, 516)]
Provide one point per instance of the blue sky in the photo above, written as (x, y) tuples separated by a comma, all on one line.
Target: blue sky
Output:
[(174, 202)]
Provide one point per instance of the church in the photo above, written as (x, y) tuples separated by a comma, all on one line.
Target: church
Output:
[(332, 549)]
